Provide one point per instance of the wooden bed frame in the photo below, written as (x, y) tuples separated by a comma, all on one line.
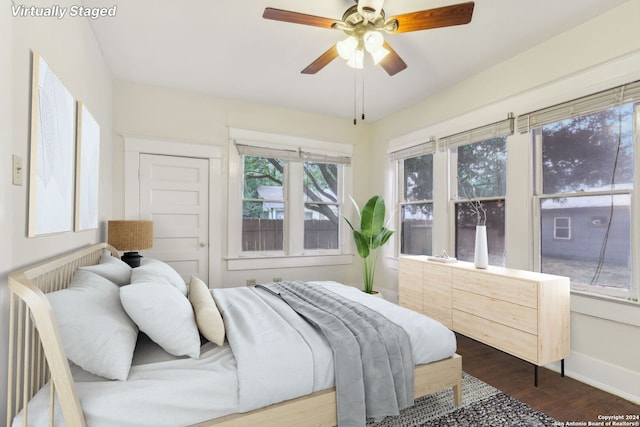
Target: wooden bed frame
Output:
[(36, 356)]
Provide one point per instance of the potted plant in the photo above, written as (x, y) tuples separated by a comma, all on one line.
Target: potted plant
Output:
[(371, 236)]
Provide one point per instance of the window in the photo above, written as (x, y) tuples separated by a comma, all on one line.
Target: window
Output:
[(479, 170), (585, 176), (321, 207), (413, 168), (286, 199), (263, 205), (416, 205), (562, 228)]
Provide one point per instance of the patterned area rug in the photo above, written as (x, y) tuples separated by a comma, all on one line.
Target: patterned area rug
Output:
[(482, 405)]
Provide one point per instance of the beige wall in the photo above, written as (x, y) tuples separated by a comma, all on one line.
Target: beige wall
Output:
[(5, 196), (597, 55), (69, 47)]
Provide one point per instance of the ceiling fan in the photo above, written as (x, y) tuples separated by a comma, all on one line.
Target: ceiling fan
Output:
[(364, 24)]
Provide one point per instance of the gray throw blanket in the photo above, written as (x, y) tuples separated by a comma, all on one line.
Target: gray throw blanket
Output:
[(372, 356)]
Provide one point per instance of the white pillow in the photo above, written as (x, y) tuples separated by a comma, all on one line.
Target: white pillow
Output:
[(153, 268), (96, 333), (164, 314), (208, 317), (112, 268)]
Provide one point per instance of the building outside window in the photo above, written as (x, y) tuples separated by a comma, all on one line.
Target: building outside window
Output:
[(286, 201), (585, 184), (263, 204)]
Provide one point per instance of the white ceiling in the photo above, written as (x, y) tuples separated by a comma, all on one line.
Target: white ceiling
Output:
[(226, 49)]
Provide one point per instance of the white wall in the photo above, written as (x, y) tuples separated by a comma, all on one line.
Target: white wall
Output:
[(69, 47), (5, 196), (171, 115), (599, 54)]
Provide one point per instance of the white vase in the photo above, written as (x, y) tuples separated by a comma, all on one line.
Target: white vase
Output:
[(481, 254)]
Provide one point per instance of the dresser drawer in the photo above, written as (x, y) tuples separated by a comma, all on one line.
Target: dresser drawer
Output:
[(522, 292), (506, 313), (410, 286), (510, 340)]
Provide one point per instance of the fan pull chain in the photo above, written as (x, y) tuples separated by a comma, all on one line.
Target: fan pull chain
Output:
[(362, 95), (355, 96)]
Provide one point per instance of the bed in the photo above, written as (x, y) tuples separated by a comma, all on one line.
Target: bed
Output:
[(44, 385)]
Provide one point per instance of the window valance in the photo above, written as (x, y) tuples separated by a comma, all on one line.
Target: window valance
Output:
[(579, 107), (482, 133), (414, 151), (292, 155)]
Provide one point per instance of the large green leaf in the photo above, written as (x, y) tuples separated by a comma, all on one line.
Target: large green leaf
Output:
[(381, 238), (372, 217), (362, 243)]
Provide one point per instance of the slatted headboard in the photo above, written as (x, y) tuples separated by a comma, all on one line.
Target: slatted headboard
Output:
[(36, 354)]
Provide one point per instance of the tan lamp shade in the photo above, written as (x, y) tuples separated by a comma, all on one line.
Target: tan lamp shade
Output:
[(130, 235)]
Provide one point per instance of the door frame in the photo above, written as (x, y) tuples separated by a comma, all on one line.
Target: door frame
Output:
[(135, 146)]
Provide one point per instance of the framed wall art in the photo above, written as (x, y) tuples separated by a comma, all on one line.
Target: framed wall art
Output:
[(87, 170), (52, 156)]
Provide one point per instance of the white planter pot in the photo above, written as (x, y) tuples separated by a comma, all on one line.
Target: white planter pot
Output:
[(481, 254)]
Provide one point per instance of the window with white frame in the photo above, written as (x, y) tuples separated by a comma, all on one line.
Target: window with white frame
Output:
[(585, 187), (414, 171), (285, 201), (562, 228), (478, 183), (263, 203)]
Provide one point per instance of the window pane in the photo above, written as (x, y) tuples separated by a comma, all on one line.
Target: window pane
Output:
[(320, 182), (262, 226), (263, 209), (416, 229), (466, 221), (596, 248), (418, 178), (263, 175), (482, 169), (321, 226), (583, 153)]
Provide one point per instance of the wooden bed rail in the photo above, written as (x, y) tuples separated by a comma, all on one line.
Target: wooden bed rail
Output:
[(36, 354)]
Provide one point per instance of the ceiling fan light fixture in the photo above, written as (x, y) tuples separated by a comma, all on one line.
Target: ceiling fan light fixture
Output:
[(373, 40), (347, 47)]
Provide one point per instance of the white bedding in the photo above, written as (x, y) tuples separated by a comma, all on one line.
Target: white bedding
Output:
[(163, 390)]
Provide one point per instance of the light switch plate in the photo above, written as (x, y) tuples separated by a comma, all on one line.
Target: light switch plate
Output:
[(18, 170)]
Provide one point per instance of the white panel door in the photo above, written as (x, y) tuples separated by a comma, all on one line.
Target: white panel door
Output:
[(174, 193)]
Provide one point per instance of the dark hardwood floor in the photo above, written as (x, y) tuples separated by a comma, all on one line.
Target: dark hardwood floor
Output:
[(564, 399)]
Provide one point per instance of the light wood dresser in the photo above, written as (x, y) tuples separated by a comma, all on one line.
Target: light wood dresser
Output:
[(522, 313)]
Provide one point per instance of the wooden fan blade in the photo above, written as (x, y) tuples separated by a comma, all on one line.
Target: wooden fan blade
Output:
[(298, 18), (392, 63), (457, 14), (322, 61)]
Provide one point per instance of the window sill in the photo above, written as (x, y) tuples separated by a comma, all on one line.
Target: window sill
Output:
[(604, 307), (281, 261)]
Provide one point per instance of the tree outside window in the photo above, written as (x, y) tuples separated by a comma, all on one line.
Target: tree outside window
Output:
[(416, 206), (321, 208), (481, 178), (264, 207), (587, 175)]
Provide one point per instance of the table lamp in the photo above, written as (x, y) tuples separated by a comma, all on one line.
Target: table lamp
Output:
[(130, 237)]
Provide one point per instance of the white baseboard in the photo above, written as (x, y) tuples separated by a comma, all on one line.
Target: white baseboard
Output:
[(613, 379)]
